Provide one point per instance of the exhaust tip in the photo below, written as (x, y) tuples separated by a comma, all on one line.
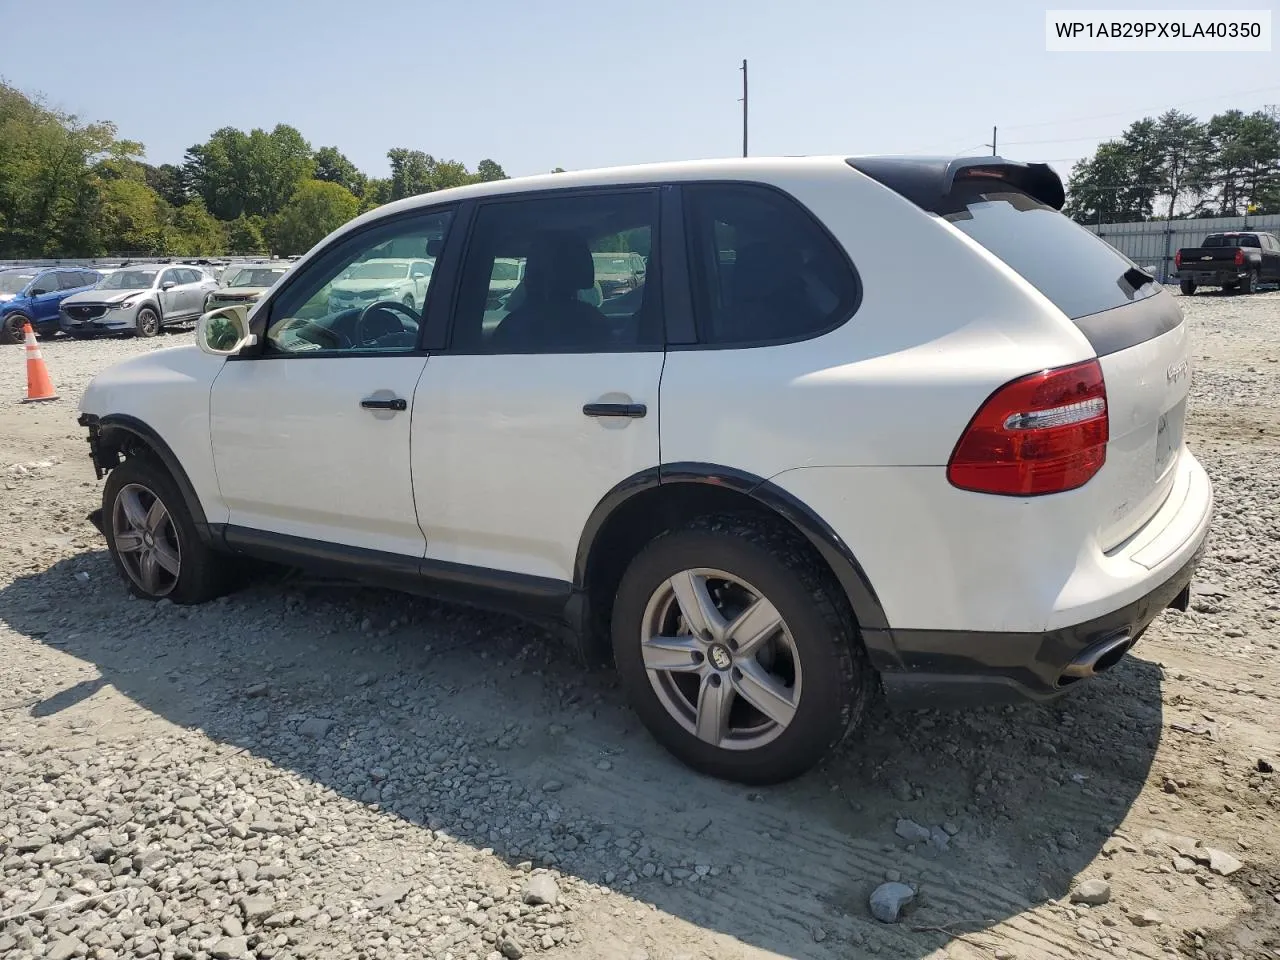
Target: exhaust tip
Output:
[(1098, 658)]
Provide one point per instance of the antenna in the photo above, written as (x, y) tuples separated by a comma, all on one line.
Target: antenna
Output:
[(992, 144), (744, 108)]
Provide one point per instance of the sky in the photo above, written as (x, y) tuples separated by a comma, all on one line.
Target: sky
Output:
[(536, 85)]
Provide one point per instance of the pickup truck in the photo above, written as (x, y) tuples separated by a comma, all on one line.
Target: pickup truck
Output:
[(1233, 261)]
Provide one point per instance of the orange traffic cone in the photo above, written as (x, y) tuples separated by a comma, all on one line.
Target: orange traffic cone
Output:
[(39, 386)]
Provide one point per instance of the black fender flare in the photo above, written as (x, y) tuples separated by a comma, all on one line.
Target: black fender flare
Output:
[(853, 579), (102, 449)]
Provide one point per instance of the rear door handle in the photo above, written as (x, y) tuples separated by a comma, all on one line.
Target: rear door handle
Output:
[(633, 411), (377, 403)]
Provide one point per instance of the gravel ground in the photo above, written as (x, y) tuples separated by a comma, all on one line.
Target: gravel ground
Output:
[(309, 770)]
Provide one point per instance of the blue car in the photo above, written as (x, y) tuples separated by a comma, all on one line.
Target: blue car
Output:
[(34, 294)]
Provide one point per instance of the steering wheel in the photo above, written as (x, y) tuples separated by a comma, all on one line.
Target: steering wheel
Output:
[(362, 335)]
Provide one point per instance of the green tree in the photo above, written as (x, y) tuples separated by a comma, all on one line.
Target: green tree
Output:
[(168, 181), (193, 231), (333, 167), (487, 170), (251, 173), (410, 173), (317, 209), (247, 235)]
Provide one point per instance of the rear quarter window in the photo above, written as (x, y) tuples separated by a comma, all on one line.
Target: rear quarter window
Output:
[(1078, 272)]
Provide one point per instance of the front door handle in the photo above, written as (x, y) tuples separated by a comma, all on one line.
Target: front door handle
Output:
[(377, 403), (632, 411)]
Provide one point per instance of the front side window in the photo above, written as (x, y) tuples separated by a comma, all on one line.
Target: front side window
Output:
[(541, 276), (762, 269), (45, 283), (170, 276), (70, 280), (355, 297)]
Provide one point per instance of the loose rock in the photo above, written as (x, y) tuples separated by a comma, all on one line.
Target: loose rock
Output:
[(888, 899)]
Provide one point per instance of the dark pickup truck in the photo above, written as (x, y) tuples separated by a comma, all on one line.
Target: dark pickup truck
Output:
[(1233, 261)]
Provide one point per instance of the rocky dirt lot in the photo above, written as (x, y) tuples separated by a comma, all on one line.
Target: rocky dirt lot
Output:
[(309, 770)]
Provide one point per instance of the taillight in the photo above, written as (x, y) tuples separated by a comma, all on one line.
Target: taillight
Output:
[(1044, 433), (1239, 257), (1177, 260)]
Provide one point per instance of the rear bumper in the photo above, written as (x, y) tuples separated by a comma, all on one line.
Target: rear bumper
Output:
[(1215, 277), (944, 668)]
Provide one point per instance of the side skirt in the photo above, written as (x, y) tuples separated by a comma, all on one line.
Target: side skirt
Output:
[(549, 603)]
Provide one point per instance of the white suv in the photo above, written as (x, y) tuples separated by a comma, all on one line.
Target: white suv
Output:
[(869, 424)]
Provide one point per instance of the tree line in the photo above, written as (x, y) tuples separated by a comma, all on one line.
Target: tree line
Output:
[(1175, 165), (75, 189)]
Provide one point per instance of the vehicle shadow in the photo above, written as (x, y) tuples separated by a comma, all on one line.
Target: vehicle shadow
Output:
[(1018, 801)]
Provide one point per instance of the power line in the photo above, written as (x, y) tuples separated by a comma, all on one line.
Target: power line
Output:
[(1129, 113)]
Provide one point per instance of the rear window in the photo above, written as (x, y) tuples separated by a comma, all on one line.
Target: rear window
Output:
[(1079, 273)]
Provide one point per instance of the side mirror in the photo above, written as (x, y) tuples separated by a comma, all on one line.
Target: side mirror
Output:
[(224, 331), (168, 285), (37, 292)]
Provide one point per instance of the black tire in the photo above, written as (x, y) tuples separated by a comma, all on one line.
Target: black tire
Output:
[(11, 328), (203, 574), (838, 680), (1250, 282), (148, 323), (1187, 286)]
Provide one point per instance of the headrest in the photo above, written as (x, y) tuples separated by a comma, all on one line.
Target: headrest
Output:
[(559, 264), (764, 268)]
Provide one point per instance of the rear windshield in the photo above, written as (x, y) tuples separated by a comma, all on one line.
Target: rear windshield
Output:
[(1228, 240), (1079, 273)]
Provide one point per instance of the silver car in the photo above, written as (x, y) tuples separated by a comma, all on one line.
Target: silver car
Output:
[(139, 299)]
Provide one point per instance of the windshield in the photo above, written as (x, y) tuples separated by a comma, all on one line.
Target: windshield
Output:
[(255, 277), (609, 263), (378, 271), (14, 282), (129, 280)]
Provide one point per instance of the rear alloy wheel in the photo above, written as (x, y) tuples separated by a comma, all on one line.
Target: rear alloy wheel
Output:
[(1188, 287), (148, 324), (736, 651), (1250, 282), (11, 328)]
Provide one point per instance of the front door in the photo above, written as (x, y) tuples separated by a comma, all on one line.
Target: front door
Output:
[(171, 299), (311, 437), (543, 400)]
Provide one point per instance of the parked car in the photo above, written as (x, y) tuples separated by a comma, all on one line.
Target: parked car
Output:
[(34, 295), (618, 273), (383, 278), (788, 480), (140, 299), (1232, 261), (244, 284)]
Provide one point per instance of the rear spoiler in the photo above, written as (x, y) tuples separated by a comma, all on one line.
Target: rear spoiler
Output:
[(928, 181)]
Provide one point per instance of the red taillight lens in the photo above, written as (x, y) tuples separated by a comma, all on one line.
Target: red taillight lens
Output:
[(1044, 433), (1177, 260), (1239, 258)]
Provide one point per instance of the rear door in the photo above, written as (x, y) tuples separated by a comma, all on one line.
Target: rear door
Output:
[(540, 403), (1134, 325)]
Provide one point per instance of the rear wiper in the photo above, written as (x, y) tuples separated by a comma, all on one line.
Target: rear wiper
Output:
[(1137, 277)]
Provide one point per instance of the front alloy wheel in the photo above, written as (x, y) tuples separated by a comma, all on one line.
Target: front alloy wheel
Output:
[(146, 540), (721, 659)]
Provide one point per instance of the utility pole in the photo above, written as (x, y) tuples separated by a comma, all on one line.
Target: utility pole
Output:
[(992, 144), (744, 108)]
